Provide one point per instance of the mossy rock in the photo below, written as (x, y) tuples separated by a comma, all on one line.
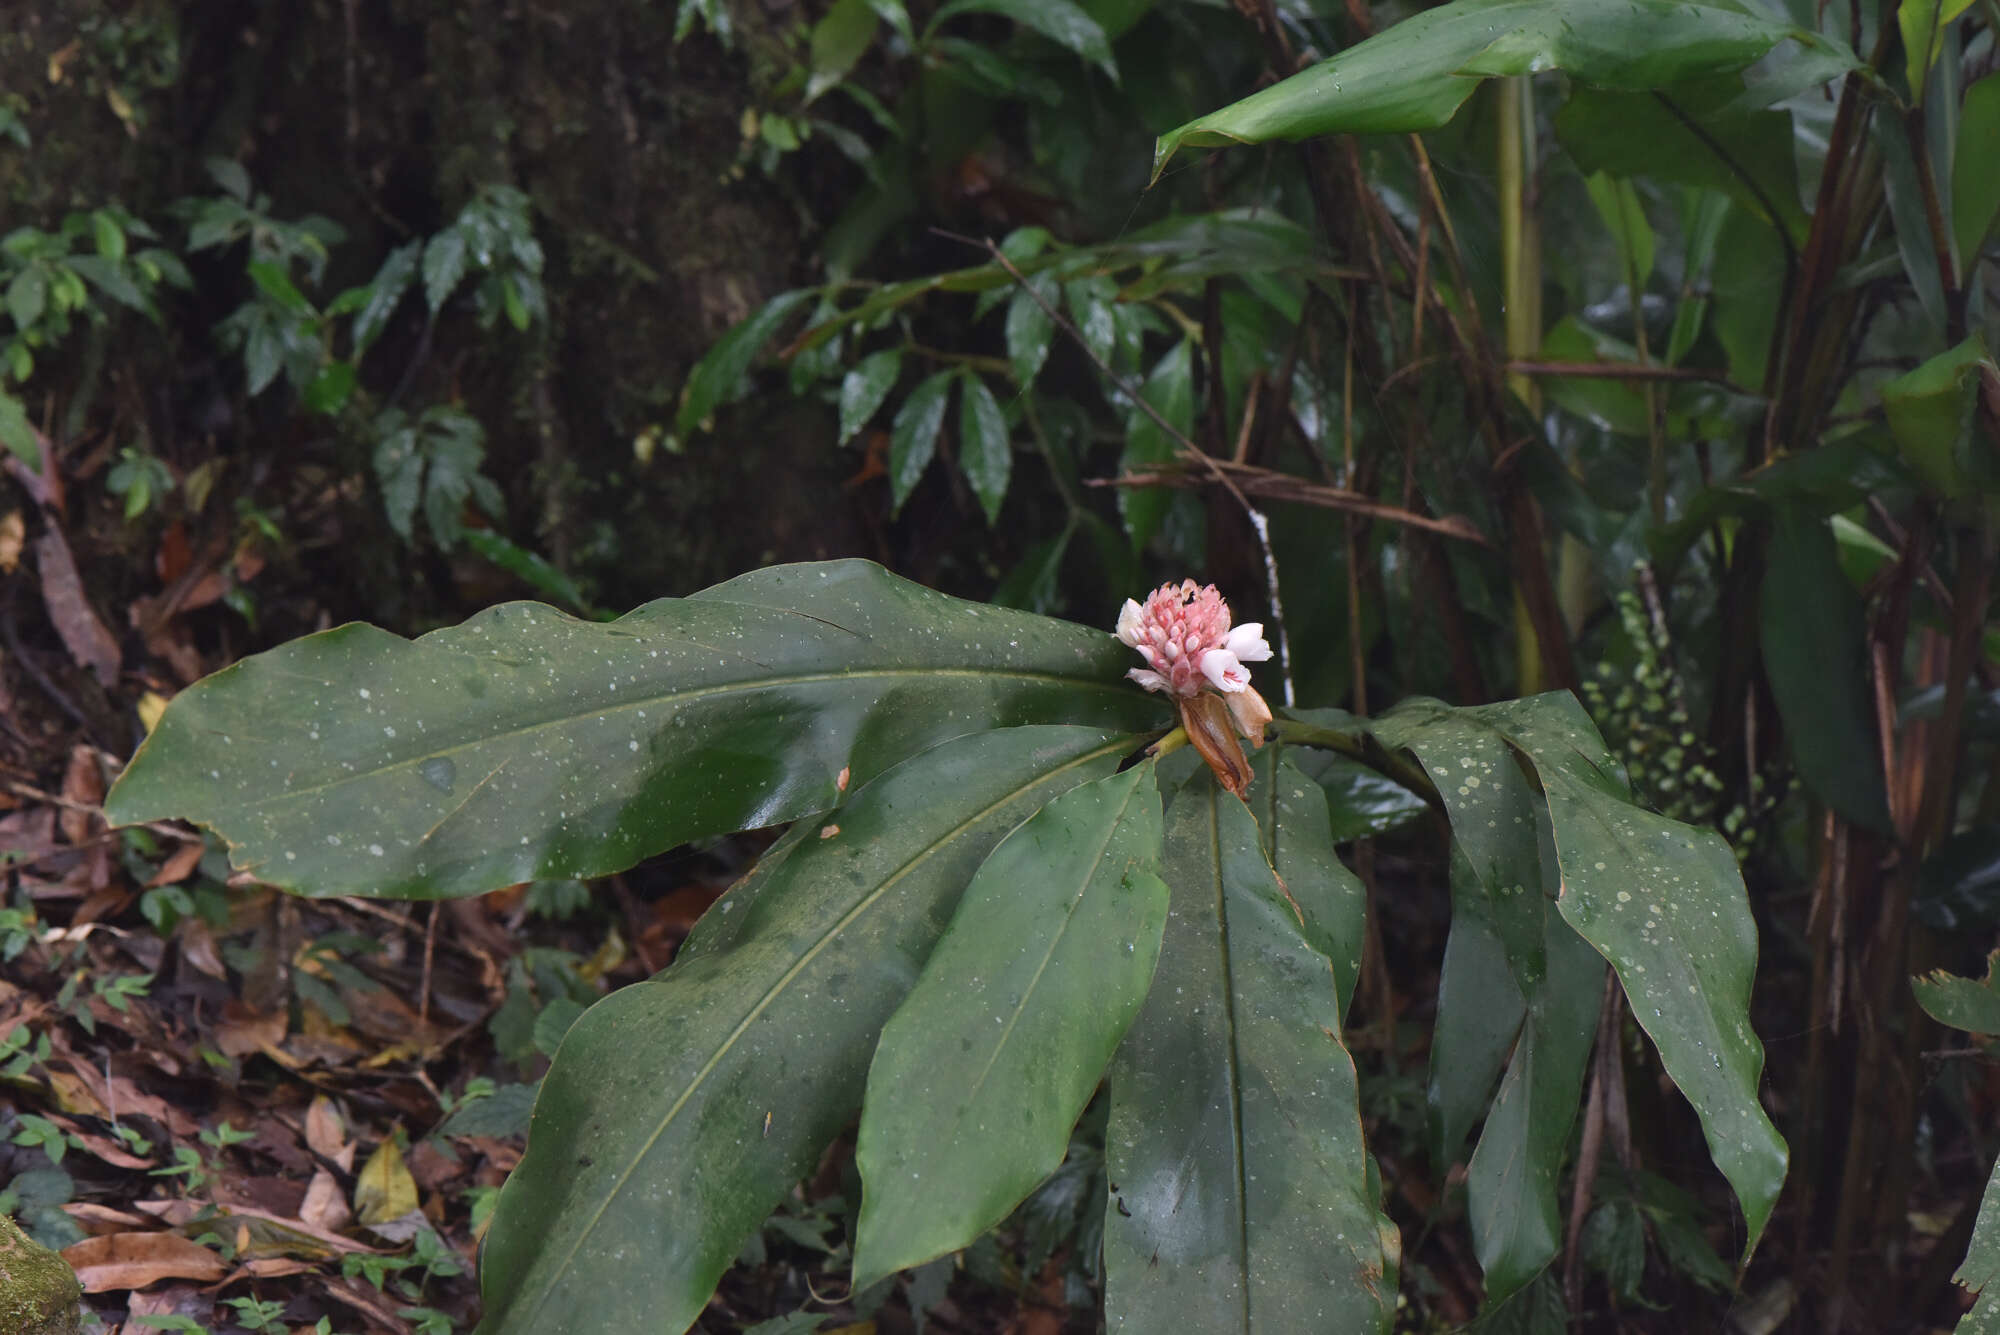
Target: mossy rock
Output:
[(38, 1290)]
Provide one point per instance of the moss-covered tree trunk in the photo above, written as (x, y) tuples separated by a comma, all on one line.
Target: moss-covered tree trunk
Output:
[(38, 1290)]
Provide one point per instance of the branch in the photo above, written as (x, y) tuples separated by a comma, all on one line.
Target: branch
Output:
[(1250, 480)]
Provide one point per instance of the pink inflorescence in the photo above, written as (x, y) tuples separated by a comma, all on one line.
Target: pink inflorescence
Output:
[(1183, 633)]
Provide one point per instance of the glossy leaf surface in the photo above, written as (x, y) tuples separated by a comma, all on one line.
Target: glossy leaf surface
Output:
[(1415, 75), (1981, 1270), (1299, 839), (1664, 903), (679, 1110), (1239, 1183), (1961, 1002), (1519, 992), (983, 1071), (525, 744)]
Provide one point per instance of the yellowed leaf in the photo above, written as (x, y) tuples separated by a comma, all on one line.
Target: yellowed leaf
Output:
[(151, 705), (384, 1190)]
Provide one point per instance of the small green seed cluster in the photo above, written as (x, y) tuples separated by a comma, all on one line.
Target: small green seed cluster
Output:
[(1643, 712)]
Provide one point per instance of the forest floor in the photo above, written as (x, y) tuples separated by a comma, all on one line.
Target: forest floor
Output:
[(236, 1110)]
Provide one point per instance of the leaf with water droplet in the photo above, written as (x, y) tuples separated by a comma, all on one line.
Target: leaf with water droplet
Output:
[(747, 699)]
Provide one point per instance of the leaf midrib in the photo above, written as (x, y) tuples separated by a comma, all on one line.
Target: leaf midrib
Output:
[(1055, 942), (785, 980), (668, 698)]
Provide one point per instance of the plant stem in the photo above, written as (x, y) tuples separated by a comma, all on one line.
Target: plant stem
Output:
[(1364, 748)]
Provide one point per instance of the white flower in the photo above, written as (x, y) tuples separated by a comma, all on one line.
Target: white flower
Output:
[(1131, 619)]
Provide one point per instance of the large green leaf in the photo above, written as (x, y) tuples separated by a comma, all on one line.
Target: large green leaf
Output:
[(987, 1065), (1415, 75), (1975, 1008), (1814, 636), (1240, 1188), (1299, 839), (1519, 991), (1975, 186), (1931, 412), (526, 744), (1665, 903), (1981, 1270), (679, 1110), (1698, 136), (1961, 1002)]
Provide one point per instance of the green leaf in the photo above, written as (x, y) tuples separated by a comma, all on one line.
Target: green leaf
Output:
[(716, 376), (1298, 841), (532, 569), (1683, 137), (1061, 21), (330, 389), (1814, 634), (263, 352), (230, 175), (112, 280), (893, 13), (1090, 307), (1519, 990), (839, 40), (17, 433), (391, 281), (680, 1110), (913, 437), (984, 454), (1960, 1002), (1975, 186), (1029, 328), (1923, 24), (863, 389), (1624, 217), (108, 236), (1982, 1265), (1664, 903), (444, 266), (1415, 75), (524, 744), (984, 1069), (1170, 389), (1930, 411), (28, 296), (1241, 1197), (272, 280)]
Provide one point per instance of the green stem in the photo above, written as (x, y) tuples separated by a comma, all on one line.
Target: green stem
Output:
[(1521, 272), (1364, 748)]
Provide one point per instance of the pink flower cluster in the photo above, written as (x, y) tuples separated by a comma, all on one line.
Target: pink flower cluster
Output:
[(1183, 633)]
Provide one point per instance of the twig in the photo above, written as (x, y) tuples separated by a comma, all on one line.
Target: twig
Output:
[(424, 984), (1617, 371), (1271, 485)]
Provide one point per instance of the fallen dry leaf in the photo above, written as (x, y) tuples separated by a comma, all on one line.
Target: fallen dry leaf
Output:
[(136, 1260), (199, 950), (179, 865), (82, 632), (242, 1031), (325, 1206), (13, 537), (83, 786), (326, 1132)]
